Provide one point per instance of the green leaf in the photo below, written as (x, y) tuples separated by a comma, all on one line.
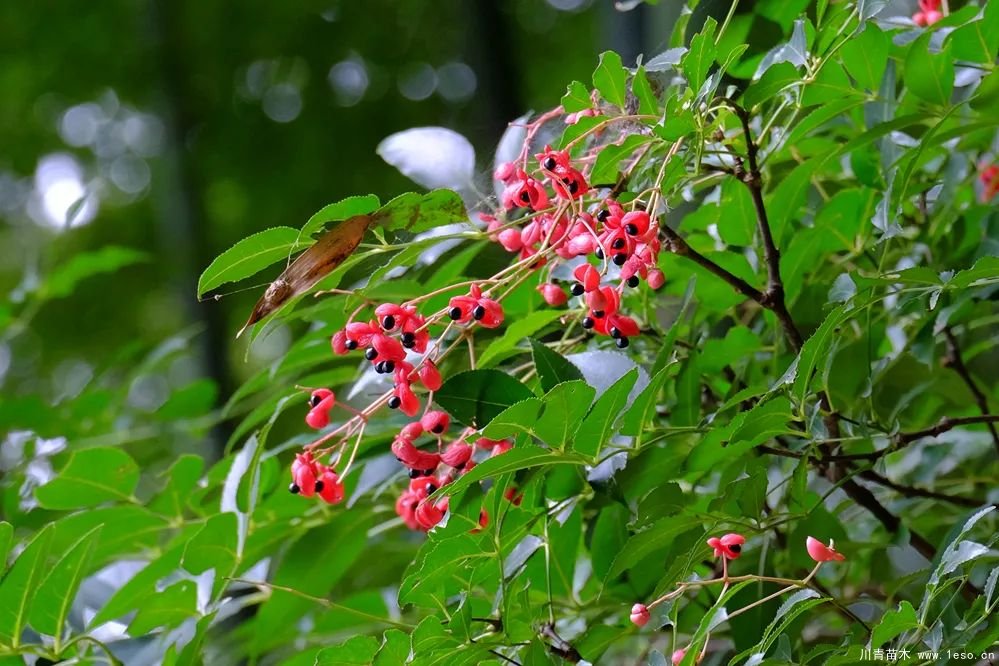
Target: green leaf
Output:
[(182, 477), (638, 415), (17, 590), (973, 42), (341, 210), (737, 221), (166, 609), (894, 623), (356, 650), (475, 397), (552, 367), (6, 538), (128, 530), (657, 537), (517, 458), (64, 278), (701, 56), (252, 255), (605, 169), (140, 586), (576, 97), (53, 599), (866, 56), (214, 546), (91, 477), (518, 417), (517, 331), (191, 654), (610, 78), (415, 212), (812, 352), (394, 650), (687, 411), (930, 76), (565, 406), (640, 88), (598, 426), (609, 536)]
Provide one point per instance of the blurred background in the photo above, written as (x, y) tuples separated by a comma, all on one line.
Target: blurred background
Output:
[(157, 133)]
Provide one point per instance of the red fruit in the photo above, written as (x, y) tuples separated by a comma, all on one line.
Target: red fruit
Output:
[(588, 276), (404, 399), (488, 444), (569, 183), (502, 447), (728, 546), (436, 422), (360, 333), (457, 455), (411, 431), (339, 343), (430, 376), (553, 294), (656, 278), (423, 486), (640, 615), (510, 239), (636, 223), (429, 513), (414, 458), (405, 508), (505, 172), (332, 491), (820, 552), (388, 349), (513, 497), (488, 313), (317, 418), (483, 522), (553, 160), (304, 473)]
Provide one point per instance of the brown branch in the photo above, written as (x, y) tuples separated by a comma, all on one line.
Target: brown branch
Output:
[(679, 247), (912, 491), (955, 361), (559, 646), (753, 179), (903, 439)]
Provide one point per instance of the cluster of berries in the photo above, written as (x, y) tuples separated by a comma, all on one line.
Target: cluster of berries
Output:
[(627, 239), (430, 470), (928, 14), (385, 341), (728, 548), (308, 478)]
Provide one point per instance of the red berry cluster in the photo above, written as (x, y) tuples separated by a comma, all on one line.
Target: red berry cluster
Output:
[(928, 14), (311, 478), (433, 469), (385, 341), (989, 178), (627, 239)]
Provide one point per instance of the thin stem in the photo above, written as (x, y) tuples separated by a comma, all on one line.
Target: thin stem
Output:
[(956, 362)]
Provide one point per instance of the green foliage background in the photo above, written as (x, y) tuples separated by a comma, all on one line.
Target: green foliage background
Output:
[(145, 453)]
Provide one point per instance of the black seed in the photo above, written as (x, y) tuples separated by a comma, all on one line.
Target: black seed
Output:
[(350, 344), (578, 289), (431, 488), (573, 186), (479, 312), (631, 229), (380, 367), (314, 400), (603, 215), (371, 353), (615, 333), (294, 489), (428, 472), (619, 259), (633, 281), (588, 322), (549, 163), (599, 253), (454, 313), (622, 343), (525, 197), (388, 323), (414, 473), (408, 340), (394, 402), (319, 486), (437, 429), (735, 548), (389, 366), (617, 244), (599, 314)]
